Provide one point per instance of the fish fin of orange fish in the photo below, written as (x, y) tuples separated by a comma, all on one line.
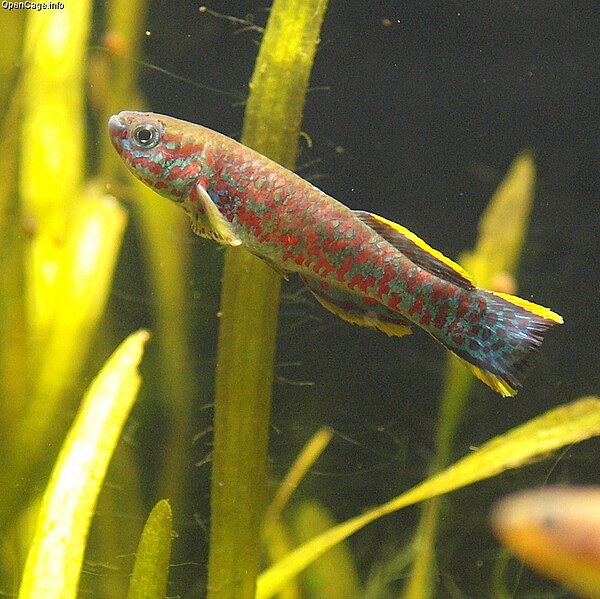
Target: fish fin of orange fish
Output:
[(417, 250), (491, 380), (535, 308), (208, 222), (348, 306)]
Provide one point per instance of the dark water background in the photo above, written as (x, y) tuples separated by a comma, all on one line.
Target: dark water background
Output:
[(418, 111)]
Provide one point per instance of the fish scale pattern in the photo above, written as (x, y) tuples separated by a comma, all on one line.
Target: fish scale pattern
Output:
[(367, 270)]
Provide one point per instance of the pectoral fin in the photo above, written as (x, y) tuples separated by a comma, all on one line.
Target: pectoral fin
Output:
[(208, 222), (353, 309), (417, 250)]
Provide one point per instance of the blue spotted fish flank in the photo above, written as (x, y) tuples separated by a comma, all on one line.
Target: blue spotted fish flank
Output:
[(366, 269)]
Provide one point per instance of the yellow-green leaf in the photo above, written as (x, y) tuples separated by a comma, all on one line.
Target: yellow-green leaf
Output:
[(151, 568), (55, 556), (311, 518), (503, 226), (535, 439)]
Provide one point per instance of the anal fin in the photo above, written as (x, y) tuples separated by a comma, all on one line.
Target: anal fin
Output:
[(493, 381), (349, 307)]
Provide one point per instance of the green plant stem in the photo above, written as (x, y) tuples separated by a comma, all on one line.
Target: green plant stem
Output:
[(457, 386), (13, 333), (249, 306)]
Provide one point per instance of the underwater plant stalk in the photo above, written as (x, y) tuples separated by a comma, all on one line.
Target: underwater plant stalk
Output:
[(51, 340), (168, 264), (13, 337), (12, 23), (311, 519), (167, 260), (249, 307), (123, 40), (277, 537), (13, 332)]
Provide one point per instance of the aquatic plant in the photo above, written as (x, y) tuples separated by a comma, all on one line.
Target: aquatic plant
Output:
[(60, 235), (502, 232), (249, 308)]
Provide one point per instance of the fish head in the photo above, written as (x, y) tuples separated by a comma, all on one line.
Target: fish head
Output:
[(161, 151)]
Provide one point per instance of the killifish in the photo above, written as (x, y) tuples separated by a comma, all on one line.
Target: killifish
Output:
[(556, 531), (362, 267)]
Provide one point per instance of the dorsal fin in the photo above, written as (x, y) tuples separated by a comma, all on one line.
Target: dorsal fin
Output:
[(417, 250)]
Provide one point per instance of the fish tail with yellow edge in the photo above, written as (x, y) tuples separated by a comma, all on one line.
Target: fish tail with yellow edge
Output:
[(496, 335)]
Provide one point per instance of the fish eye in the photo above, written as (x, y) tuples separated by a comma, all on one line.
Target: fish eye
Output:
[(145, 136)]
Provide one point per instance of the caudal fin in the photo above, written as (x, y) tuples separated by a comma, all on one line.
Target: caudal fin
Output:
[(499, 345)]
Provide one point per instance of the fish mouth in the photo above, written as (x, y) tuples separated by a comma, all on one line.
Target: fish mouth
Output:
[(116, 127)]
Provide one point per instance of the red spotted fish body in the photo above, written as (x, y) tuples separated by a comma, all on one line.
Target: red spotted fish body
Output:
[(364, 268)]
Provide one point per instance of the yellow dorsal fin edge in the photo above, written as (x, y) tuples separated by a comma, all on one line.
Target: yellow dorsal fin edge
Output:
[(425, 247)]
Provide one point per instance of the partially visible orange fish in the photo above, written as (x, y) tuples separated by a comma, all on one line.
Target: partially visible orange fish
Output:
[(556, 531)]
